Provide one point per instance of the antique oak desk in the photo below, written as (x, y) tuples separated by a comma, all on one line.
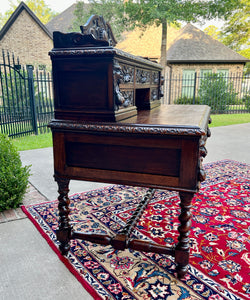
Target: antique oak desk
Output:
[(109, 127)]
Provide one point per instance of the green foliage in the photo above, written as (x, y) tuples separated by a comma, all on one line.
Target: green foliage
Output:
[(186, 100), (213, 31), (246, 101), (38, 7), (111, 10), (236, 31), (13, 177), (216, 92), (147, 12)]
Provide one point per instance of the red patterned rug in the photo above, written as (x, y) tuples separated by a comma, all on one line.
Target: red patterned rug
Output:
[(220, 239)]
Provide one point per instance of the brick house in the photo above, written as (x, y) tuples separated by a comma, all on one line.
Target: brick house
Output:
[(191, 54), (27, 37)]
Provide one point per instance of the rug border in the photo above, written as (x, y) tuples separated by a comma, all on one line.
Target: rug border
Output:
[(64, 259)]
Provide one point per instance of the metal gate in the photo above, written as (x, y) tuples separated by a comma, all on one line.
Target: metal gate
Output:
[(26, 101)]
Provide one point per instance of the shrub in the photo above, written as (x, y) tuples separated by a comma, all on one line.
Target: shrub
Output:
[(13, 177), (246, 101), (216, 92), (186, 100)]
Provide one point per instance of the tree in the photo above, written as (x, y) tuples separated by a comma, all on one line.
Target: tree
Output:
[(111, 10), (213, 31), (162, 12), (39, 8), (236, 31)]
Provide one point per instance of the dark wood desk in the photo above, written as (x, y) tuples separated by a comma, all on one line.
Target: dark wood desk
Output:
[(158, 148), (110, 127)]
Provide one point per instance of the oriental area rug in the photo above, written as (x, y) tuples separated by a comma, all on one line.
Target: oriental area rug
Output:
[(220, 239)]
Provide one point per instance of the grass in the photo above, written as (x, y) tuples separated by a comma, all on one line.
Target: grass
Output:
[(33, 142), (45, 140), (229, 119)]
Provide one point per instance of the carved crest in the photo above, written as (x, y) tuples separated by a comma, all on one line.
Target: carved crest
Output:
[(95, 33), (100, 29)]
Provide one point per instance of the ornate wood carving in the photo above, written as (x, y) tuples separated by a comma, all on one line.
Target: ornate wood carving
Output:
[(154, 94), (119, 99), (100, 29), (96, 32), (114, 127), (129, 98), (182, 248), (127, 230), (155, 78), (127, 74), (142, 76), (64, 230)]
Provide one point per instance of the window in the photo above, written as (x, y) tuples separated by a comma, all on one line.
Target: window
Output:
[(204, 72), (188, 83), (224, 72)]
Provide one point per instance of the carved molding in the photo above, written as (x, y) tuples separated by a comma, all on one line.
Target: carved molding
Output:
[(126, 128), (105, 51)]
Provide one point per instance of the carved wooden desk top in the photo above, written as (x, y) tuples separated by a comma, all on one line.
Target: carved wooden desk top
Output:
[(166, 119)]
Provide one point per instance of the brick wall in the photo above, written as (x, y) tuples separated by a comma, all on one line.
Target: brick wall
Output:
[(26, 39), (177, 69), (174, 90)]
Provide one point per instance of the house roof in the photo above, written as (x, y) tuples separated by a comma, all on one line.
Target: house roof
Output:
[(146, 43), (22, 6), (194, 46), (187, 45), (63, 21)]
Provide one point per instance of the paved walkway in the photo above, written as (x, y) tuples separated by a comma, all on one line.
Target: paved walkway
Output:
[(29, 268)]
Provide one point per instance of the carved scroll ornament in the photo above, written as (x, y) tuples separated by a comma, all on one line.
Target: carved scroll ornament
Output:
[(95, 33), (100, 29)]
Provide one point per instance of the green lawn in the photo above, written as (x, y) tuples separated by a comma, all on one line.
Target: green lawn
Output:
[(33, 142), (229, 119), (45, 140)]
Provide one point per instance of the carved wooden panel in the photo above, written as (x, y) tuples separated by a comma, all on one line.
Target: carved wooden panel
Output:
[(154, 94), (143, 76), (127, 74), (155, 78)]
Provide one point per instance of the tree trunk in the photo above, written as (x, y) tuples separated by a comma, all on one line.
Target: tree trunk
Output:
[(163, 61)]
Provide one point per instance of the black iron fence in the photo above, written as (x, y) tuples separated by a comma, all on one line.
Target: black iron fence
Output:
[(26, 98), (224, 93)]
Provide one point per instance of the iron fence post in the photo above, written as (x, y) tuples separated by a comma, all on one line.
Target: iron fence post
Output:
[(30, 69), (195, 78)]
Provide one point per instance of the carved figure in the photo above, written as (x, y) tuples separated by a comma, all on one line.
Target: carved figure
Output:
[(119, 99)]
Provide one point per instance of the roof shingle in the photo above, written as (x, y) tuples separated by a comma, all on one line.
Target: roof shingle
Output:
[(193, 45)]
